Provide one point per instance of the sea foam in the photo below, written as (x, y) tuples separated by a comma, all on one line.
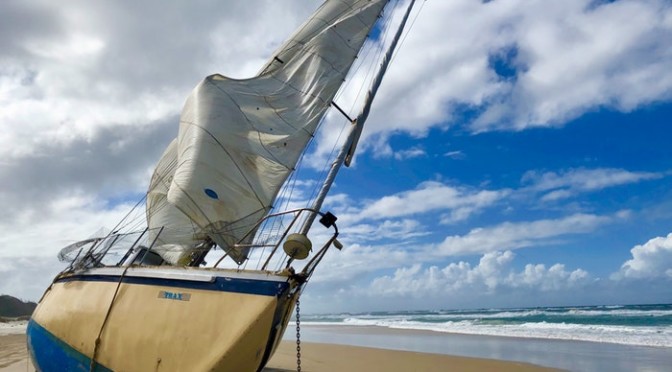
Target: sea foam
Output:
[(638, 325)]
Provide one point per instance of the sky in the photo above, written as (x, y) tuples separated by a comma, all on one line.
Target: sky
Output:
[(518, 153)]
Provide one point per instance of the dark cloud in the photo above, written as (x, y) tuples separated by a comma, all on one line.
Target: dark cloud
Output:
[(23, 21), (116, 160)]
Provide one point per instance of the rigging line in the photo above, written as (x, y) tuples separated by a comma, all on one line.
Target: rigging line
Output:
[(297, 42), (370, 69), (335, 32), (353, 136), (290, 185), (343, 75), (301, 158), (324, 170), (379, 49), (366, 48), (125, 221), (135, 223), (346, 73), (293, 183), (125, 217), (365, 56), (401, 43)]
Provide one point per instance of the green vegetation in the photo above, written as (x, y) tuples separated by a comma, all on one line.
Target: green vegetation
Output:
[(12, 308)]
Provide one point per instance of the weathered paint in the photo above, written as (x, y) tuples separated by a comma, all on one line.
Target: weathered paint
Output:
[(152, 326), (55, 355)]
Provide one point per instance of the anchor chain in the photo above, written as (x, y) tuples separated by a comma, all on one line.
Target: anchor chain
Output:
[(298, 336)]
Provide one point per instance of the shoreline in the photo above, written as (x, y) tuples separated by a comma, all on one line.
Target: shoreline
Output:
[(322, 357), (335, 348), (366, 329), (568, 355)]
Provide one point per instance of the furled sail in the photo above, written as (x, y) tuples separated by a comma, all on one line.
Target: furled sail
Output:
[(239, 140)]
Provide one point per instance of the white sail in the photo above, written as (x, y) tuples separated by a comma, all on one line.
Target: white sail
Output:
[(178, 235), (239, 139)]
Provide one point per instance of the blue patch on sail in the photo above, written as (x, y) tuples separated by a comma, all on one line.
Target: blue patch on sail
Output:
[(211, 193)]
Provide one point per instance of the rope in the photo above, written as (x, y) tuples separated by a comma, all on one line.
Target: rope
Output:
[(102, 327)]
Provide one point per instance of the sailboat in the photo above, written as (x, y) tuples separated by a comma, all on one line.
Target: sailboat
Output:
[(142, 297)]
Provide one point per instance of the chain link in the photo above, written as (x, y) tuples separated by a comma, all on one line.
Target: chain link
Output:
[(298, 336)]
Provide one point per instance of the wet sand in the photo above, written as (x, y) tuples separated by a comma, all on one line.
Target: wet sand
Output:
[(328, 357), (319, 358), (567, 355)]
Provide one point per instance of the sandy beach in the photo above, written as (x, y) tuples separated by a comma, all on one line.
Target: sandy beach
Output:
[(343, 348), (13, 353), (330, 357), (319, 358)]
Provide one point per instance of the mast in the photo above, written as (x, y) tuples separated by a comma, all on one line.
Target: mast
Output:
[(347, 151)]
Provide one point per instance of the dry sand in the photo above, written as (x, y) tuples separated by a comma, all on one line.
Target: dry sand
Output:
[(319, 358), (13, 353)]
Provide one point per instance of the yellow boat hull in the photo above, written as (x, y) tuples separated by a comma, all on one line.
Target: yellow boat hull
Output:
[(177, 320)]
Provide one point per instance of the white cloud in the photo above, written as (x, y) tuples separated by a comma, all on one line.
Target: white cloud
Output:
[(81, 66), (556, 195), (580, 57), (30, 241), (90, 93), (400, 230), (510, 235), (653, 259), (456, 155), (570, 182), (43, 232), (432, 196), (344, 268), (577, 58), (574, 56), (413, 152), (124, 74), (493, 273), (553, 278)]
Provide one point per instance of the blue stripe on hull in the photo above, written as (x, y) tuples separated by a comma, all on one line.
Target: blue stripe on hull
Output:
[(51, 354), (236, 285)]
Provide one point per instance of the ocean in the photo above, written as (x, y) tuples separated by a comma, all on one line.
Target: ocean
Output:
[(636, 325)]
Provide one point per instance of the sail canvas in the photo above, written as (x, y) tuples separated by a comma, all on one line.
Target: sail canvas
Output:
[(239, 140)]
